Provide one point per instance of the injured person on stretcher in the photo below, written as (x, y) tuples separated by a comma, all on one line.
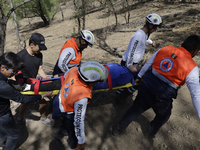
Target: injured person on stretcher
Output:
[(119, 77)]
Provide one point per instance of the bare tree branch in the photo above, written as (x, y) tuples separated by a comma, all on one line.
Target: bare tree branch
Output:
[(3, 23), (15, 7)]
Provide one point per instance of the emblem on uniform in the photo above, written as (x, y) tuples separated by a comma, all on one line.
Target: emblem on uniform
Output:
[(66, 89), (173, 56), (72, 82), (166, 64)]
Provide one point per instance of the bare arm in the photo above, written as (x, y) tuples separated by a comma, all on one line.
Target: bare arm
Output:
[(41, 72)]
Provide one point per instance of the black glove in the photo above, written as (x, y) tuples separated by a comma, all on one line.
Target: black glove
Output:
[(17, 85), (138, 80)]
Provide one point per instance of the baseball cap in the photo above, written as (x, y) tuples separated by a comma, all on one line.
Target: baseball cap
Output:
[(38, 39)]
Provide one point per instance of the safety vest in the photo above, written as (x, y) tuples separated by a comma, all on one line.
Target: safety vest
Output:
[(72, 43), (172, 65), (72, 90)]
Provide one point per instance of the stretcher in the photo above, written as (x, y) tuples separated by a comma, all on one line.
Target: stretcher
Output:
[(55, 92), (119, 77)]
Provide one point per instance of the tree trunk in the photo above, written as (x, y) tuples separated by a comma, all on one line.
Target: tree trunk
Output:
[(114, 11), (61, 12), (128, 6), (2, 34), (46, 22), (78, 17), (83, 13), (3, 23), (16, 27)]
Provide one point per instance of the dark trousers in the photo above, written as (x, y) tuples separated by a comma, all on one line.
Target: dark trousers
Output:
[(10, 131), (67, 122), (145, 100), (69, 126)]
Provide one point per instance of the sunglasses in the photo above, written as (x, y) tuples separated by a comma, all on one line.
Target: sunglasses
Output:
[(15, 72)]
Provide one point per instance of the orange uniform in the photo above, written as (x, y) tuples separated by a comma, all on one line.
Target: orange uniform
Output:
[(163, 74), (174, 64), (72, 43), (69, 57), (72, 90)]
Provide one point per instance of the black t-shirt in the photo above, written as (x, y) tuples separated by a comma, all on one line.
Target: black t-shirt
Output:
[(32, 63)]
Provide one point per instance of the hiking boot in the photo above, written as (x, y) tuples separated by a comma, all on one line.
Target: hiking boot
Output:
[(47, 121), (65, 133), (149, 133), (72, 143), (59, 133), (2, 143), (23, 121), (117, 132)]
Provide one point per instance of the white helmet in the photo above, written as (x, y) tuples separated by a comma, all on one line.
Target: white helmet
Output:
[(154, 19), (92, 71), (88, 36)]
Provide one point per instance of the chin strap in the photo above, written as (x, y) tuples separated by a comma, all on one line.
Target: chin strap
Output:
[(149, 29)]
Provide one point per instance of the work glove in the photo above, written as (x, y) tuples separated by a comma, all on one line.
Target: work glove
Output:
[(17, 85)]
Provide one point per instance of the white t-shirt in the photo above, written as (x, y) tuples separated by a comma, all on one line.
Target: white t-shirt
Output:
[(136, 48)]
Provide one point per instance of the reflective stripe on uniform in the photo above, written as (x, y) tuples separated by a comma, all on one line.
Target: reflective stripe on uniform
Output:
[(164, 79)]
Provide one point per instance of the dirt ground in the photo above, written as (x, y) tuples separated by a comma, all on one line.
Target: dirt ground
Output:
[(181, 132)]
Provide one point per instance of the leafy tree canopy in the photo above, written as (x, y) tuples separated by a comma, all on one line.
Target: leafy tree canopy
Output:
[(46, 9)]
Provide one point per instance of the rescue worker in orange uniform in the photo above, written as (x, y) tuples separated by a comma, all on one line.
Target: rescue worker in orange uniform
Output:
[(165, 72), (71, 52), (71, 101)]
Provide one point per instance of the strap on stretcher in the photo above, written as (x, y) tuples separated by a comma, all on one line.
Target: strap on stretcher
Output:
[(37, 85), (109, 78)]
